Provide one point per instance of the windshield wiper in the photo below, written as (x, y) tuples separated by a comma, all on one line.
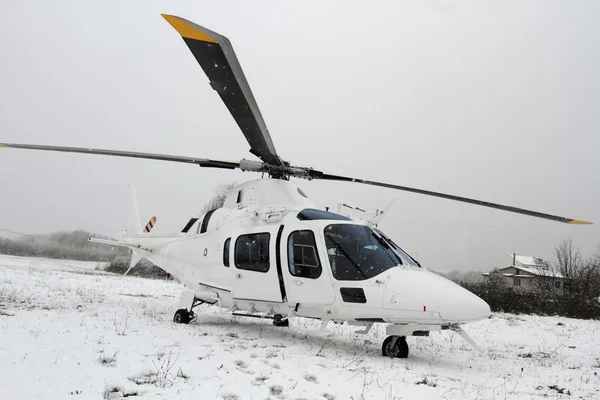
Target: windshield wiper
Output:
[(347, 256), (396, 249), (406, 254), (385, 244)]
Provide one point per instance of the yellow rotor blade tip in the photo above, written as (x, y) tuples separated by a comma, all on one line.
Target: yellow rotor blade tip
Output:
[(578, 222), (186, 30)]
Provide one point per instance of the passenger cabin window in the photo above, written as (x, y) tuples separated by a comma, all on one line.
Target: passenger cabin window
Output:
[(357, 253), (252, 252), (226, 252), (303, 259)]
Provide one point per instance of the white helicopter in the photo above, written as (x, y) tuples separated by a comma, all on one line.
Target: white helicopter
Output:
[(268, 252)]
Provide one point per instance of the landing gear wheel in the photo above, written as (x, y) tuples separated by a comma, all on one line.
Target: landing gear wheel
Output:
[(278, 321), (182, 316), (395, 347)]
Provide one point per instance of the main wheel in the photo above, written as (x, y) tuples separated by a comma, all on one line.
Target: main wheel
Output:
[(278, 321), (182, 316), (395, 347)]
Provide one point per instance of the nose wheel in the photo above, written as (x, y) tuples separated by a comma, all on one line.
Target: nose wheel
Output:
[(395, 347)]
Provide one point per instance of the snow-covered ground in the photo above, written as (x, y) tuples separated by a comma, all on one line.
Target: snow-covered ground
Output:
[(68, 330)]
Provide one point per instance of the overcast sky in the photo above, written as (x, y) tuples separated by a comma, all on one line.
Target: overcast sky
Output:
[(498, 101)]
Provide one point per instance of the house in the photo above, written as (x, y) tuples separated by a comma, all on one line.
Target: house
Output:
[(527, 272)]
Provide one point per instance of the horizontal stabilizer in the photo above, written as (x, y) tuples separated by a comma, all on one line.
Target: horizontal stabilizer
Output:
[(113, 243), (135, 256)]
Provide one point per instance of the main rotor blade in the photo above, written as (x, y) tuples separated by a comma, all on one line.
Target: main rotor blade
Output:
[(455, 198), (203, 162), (215, 55)]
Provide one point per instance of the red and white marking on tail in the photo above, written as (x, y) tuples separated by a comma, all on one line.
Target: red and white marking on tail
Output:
[(150, 224)]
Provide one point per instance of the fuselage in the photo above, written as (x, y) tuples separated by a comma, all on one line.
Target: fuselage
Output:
[(253, 254)]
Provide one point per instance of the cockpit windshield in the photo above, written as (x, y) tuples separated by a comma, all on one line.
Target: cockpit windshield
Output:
[(357, 253), (408, 260)]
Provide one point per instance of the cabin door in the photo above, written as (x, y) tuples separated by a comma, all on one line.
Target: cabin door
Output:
[(307, 280), (255, 268)]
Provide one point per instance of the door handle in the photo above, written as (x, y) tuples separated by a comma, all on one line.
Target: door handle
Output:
[(298, 283), (239, 276)]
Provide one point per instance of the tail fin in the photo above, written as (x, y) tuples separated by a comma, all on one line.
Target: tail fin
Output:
[(150, 225), (136, 257), (134, 226)]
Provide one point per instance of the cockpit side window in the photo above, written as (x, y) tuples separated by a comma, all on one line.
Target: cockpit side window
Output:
[(356, 252), (303, 258)]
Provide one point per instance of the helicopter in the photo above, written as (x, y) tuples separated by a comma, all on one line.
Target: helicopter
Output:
[(269, 252)]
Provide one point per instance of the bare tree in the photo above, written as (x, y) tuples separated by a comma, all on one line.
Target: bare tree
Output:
[(582, 282), (588, 277), (219, 198), (568, 259)]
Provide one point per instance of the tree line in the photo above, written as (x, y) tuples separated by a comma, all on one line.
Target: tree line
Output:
[(72, 245), (576, 297)]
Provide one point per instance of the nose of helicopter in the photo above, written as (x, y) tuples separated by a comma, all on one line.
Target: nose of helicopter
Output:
[(424, 291)]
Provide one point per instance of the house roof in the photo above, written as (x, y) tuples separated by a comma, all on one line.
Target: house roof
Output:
[(529, 260), (532, 270), (541, 272), (531, 265)]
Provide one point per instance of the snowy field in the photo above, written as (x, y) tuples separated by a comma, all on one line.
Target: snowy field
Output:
[(68, 330)]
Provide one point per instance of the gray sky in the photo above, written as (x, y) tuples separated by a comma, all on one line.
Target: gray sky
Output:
[(497, 101)]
